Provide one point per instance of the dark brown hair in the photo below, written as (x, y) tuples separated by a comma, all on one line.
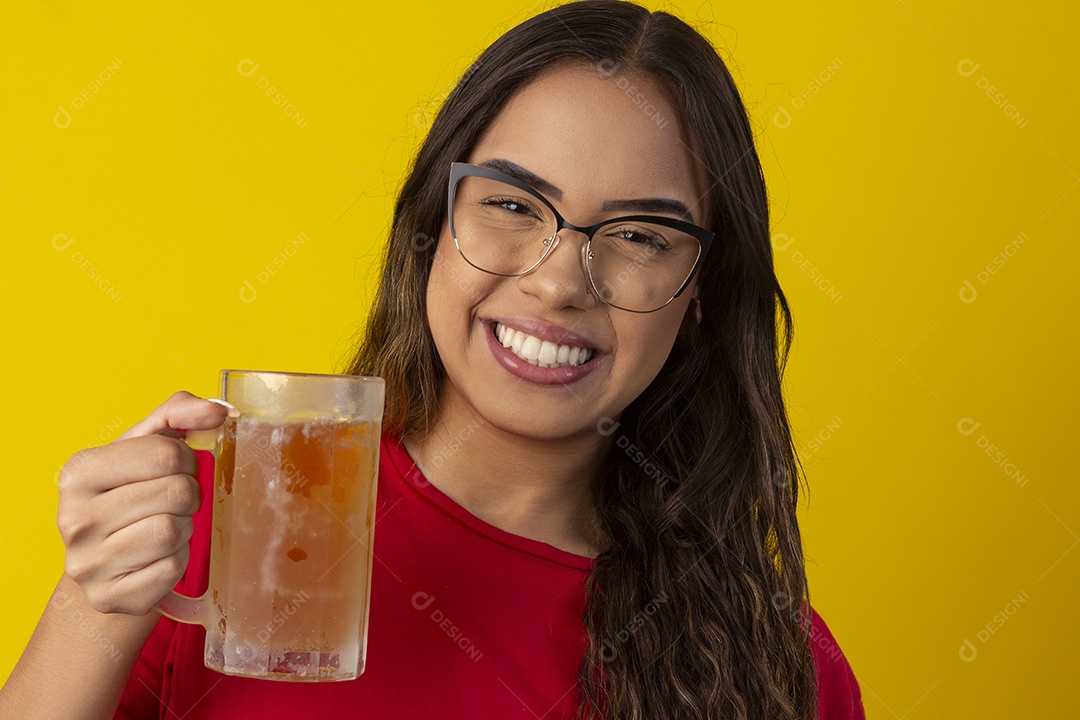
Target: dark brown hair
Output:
[(689, 611)]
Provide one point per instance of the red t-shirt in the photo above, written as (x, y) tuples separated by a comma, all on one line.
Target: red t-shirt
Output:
[(468, 621)]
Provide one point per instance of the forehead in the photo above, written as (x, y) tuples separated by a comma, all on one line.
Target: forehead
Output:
[(598, 135)]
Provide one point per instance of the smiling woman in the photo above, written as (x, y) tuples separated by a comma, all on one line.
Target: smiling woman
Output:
[(587, 479), (689, 610)]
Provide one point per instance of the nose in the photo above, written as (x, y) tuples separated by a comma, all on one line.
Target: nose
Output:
[(561, 278)]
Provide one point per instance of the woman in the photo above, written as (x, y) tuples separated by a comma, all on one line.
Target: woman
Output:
[(587, 473)]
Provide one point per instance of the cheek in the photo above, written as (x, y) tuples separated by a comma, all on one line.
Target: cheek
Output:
[(442, 301), (644, 347), (454, 291)]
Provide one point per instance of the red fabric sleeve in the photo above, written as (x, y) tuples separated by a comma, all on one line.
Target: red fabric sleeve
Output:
[(141, 699), (839, 696)]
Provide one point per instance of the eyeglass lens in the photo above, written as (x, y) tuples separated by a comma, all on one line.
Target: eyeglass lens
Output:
[(634, 265)]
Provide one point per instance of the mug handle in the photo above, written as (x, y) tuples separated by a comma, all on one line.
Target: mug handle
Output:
[(196, 611)]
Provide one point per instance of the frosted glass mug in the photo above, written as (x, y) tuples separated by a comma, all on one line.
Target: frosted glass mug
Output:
[(296, 469)]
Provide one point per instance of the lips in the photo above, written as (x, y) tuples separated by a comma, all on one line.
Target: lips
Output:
[(546, 331), (559, 340), (541, 353)]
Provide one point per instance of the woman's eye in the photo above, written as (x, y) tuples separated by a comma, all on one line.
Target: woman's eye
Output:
[(642, 238), (515, 206)]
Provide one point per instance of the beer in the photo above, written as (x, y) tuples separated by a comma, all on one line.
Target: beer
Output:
[(293, 523)]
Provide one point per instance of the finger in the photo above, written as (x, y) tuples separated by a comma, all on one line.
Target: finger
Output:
[(182, 411), (98, 469), (128, 504), (139, 591), (135, 546)]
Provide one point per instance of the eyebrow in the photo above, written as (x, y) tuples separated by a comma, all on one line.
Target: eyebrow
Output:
[(644, 205)]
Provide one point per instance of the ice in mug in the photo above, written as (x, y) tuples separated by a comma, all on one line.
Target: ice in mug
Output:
[(293, 519)]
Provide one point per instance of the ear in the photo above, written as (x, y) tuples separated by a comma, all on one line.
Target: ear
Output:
[(693, 313)]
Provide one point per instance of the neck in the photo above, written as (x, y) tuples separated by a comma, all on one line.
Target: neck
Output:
[(537, 488)]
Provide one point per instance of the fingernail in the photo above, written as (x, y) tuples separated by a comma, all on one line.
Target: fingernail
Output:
[(233, 410)]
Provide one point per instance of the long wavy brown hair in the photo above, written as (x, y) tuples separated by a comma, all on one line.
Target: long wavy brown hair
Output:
[(682, 610)]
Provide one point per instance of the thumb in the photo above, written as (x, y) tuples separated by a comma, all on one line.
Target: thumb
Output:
[(182, 411)]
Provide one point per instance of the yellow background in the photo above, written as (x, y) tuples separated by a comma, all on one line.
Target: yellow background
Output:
[(895, 179)]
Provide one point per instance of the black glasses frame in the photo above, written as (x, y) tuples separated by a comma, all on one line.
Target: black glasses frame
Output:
[(459, 170)]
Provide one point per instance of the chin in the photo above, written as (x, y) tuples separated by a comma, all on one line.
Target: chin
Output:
[(539, 426)]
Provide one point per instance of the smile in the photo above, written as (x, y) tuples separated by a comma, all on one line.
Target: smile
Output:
[(541, 353)]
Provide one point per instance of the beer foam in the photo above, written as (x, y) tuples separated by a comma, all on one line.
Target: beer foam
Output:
[(299, 417)]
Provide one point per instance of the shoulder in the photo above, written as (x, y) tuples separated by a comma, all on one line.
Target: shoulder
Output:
[(839, 695)]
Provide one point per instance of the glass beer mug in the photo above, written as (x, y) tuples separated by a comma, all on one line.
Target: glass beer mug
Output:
[(296, 468)]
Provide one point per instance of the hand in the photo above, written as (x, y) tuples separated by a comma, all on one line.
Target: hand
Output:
[(125, 508)]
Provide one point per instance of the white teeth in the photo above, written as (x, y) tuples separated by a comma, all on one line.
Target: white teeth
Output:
[(541, 353), (530, 349), (548, 352)]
